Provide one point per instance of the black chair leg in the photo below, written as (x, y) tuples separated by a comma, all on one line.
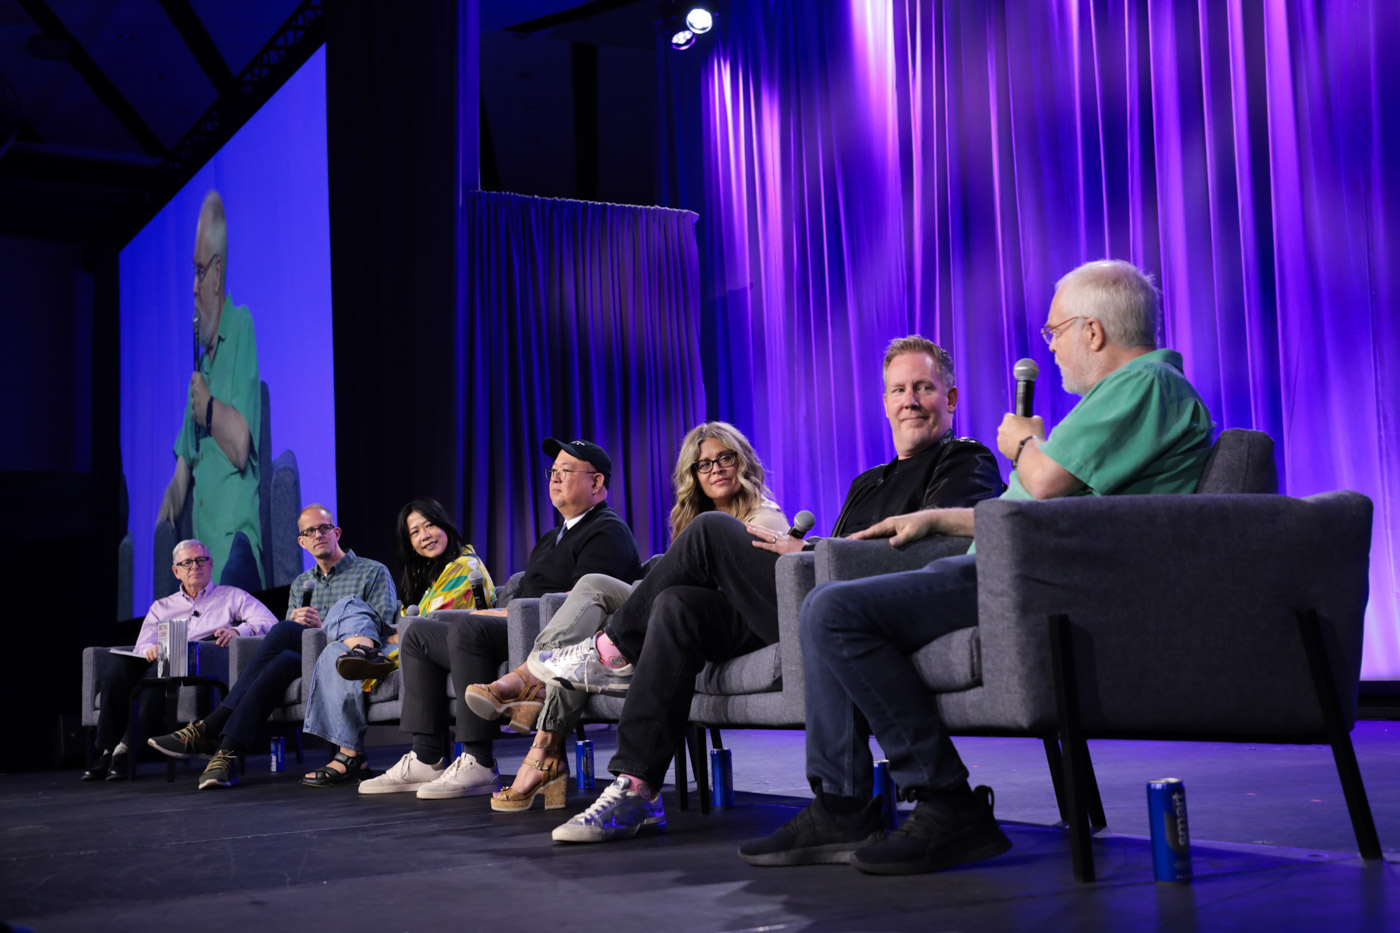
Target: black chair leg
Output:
[(682, 791), (1343, 753), (695, 738), (1075, 752)]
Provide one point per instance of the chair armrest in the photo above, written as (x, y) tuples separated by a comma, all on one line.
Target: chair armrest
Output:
[(213, 660), (1182, 607), (313, 642), (795, 576), (523, 624), (241, 652), (844, 559)]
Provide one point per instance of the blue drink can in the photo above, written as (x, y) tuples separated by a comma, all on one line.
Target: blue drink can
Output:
[(457, 750), (721, 778), (1171, 841), (884, 788), (583, 758), (277, 758)]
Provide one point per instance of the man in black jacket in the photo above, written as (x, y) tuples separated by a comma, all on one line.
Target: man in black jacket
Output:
[(714, 596), (591, 539)]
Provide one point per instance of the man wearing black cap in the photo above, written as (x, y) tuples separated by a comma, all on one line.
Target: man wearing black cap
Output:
[(592, 538)]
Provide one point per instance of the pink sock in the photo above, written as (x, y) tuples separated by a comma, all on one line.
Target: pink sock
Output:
[(608, 653), (637, 785)]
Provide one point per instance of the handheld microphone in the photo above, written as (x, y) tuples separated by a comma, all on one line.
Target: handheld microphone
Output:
[(802, 523), (411, 610), (478, 583), (307, 589), (195, 322), (1025, 372)]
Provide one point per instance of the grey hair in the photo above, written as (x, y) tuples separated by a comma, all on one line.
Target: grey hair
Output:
[(215, 224), (188, 542), (1121, 296)]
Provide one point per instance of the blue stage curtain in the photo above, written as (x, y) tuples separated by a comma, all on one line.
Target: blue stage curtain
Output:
[(581, 320), (866, 169)]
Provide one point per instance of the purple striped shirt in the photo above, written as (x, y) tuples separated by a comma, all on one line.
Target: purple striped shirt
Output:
[(215, 607)]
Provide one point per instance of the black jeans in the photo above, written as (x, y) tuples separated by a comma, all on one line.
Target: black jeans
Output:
[(117, 679), (262, 686), (712, 596), (472, 650)]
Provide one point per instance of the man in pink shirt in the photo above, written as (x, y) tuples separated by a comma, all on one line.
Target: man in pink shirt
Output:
[(214, 611)]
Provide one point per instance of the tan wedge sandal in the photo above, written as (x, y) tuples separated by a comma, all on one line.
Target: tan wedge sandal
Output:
[(523, 708), (555, 785)]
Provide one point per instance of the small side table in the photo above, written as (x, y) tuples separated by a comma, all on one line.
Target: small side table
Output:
[(171, 686)]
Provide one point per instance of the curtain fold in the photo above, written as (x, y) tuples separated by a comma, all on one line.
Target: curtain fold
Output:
[(580, 320), (873, 168)]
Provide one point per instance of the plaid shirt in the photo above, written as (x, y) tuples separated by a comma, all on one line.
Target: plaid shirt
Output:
[(351, 576)]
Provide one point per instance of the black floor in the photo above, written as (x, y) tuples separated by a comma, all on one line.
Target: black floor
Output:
[(1272, 850)]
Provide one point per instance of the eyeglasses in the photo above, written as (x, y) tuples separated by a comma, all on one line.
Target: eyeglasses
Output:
[(192, 562), (1050, 333), (315, 530), (724, 460), (564, 474), (201, 271)]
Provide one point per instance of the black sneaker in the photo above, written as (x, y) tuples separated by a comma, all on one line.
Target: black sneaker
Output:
[(100, 767), (121, 763), (816, 836), (187, 742), (937, 835), (222, 771)]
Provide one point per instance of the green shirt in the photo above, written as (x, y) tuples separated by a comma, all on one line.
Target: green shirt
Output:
[(225, 497), (1141, 429)]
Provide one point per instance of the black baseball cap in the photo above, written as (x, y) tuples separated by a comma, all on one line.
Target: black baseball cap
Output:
[(587, 451)]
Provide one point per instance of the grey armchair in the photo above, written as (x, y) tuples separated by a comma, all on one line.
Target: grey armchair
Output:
[(1223, 618), (193, 701)]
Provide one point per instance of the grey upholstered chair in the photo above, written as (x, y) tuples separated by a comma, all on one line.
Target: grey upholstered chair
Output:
[(1208, 617), (193, 701)]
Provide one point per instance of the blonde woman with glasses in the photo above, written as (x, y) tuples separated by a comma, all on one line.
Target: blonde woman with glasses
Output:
[(717, 471)]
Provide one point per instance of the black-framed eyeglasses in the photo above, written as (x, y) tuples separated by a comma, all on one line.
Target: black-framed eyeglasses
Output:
[(563, 475), (192, 562), (724, 460), (201, 271), (1050, 333), (314, 530)]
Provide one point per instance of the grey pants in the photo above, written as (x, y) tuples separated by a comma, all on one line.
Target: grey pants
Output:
[(590, 603)]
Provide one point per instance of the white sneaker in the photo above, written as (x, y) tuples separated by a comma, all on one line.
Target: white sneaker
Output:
[(408, 775), (617, 814), (577, 667), (465, 777)]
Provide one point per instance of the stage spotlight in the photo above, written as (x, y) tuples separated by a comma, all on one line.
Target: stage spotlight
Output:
[(682, 39), (699, 20)]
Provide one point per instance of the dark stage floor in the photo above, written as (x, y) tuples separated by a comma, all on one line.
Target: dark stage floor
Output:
[(1272, 849)]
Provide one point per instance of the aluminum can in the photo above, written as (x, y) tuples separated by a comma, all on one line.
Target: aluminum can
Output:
[(457, 751), (1171, 840), (884, 787), (721, 778), (278, 757), (583, 758)]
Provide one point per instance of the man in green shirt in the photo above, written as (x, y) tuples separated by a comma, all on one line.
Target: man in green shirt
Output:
[(216, 449), (1139, 428)]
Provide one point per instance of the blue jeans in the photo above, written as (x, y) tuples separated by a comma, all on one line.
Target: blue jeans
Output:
[(857, 638), (336, 708)]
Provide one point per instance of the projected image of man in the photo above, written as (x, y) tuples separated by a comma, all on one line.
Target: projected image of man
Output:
[(216, 449)]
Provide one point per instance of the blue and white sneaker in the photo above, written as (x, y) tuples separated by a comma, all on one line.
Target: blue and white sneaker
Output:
[(617, 814), (577, 667)]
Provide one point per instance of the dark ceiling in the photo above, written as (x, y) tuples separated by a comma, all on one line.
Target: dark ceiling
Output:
[(106, 104)]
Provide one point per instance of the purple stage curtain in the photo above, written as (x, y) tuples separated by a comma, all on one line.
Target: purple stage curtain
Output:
[(868, 169), (580, 320)]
